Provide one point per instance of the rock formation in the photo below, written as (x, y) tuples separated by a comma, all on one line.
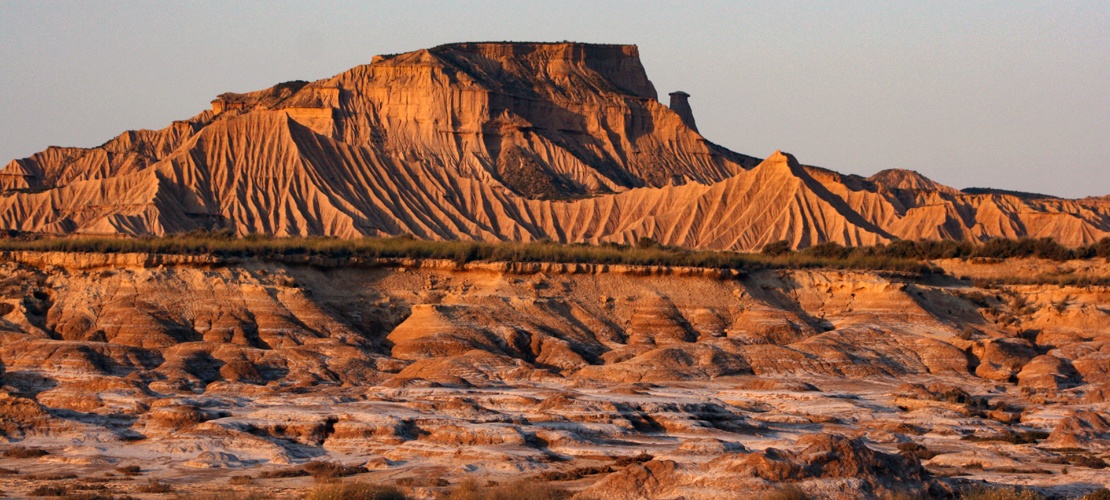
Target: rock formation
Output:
[(835, 383), (680, 103), (492, 141)]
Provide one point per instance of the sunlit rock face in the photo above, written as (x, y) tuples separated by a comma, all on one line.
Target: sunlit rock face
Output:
[(615, 381), (492, 141)]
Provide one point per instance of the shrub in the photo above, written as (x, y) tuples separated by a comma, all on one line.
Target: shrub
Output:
[(324, 470), (1099, 494), (519, 490), (1024, 437), (1088, 461), (917, 450), (153, 486), (776, 248), (999, 493), (635, 459), (282, 473), (48, 491), (130, 470), (828, 250), (574, 474), (24, 452), (968, 333), (354, 491), (49, 477), (789, 492)]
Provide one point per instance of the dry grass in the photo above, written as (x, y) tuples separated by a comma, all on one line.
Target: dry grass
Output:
[(130, 470), (153, 486), (240, 480), (519, 490), (324, 470), (635, 459), (48, 490), (789, 492), (354, 491), (24, 452), (1000, 493), (1024, 437)]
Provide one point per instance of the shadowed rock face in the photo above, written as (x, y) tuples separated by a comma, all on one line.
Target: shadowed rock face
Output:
[(680, 103), (841, 384)]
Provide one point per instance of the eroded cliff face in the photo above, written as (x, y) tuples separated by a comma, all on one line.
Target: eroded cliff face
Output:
[(491, 141), (424, 369)]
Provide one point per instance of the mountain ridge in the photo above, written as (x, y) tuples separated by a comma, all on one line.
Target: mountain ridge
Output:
[(492, 141)]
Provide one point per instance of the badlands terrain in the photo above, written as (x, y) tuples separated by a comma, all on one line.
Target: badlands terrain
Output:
[(229, 375), (565, 142), (131, 373)]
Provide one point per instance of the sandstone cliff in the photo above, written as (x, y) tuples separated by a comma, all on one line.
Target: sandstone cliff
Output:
[(492, 141)]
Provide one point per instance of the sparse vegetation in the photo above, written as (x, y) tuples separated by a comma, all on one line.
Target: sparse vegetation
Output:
[(573, 474), (153, 486), (898, 256), (346, 252), (634, 459), (999, 493), (1099, 494), (520, 490), (354, 491), (24, 452), (789, 492), (130, 470), (1080, 460), (1024, 437), (240, 480), (776, 248), (49, 477), (48, 490), (917, 450), (282, 473), (323, 470)]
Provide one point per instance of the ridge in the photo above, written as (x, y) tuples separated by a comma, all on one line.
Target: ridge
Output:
[(491, 141)]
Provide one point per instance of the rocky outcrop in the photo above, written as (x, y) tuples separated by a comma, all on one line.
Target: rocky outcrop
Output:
[(643, 382), (680, 103), (492, 141)]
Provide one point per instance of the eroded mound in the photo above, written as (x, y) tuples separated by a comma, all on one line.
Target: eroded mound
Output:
[(837, 383)]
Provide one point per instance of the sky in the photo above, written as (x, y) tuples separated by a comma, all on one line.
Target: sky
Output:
[(1012, 95)]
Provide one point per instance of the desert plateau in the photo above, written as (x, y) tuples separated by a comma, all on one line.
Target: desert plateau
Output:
[(507, 270)]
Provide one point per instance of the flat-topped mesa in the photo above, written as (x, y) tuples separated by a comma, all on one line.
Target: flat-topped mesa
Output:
[(619, 64), (680, 104)]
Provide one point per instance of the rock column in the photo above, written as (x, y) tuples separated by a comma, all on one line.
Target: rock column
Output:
[(680, 103)]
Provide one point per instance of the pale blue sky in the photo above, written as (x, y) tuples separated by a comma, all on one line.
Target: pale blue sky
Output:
[(1012, 94)]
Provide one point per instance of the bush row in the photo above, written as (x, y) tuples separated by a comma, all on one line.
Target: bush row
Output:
[(902, 256)]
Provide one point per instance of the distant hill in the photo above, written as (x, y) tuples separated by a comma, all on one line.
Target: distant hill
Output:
[(493, 141)]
